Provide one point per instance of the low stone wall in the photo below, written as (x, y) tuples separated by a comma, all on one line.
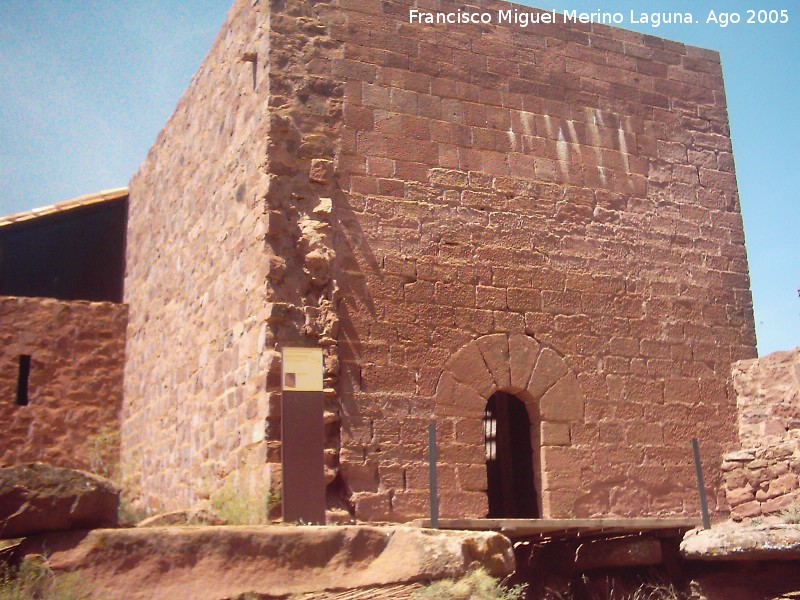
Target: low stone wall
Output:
[(768, 396), (764, 477), (763, 480), (74, 384)]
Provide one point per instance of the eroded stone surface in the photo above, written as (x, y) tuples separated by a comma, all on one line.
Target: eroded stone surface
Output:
[(563, 402), (549, 369), (764, 476), (469, 367), (77, 351), (768, 396), (523, 352), (212, 563), (36, 498), (743, 541), (495, 351)]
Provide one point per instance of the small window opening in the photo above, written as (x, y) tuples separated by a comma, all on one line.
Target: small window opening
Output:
[(509, 458), (22, 379)]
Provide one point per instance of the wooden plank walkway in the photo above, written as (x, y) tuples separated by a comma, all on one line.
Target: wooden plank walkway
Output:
[(516, 529)]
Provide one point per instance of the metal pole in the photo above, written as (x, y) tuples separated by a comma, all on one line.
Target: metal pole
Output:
[(433, 482), (701, 487)]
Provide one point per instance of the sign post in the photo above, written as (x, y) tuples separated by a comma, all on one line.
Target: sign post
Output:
[(302, 435)]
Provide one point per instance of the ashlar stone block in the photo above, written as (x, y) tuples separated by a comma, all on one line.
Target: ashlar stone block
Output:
[(455, 399), (468, 367), (548, 370), (494, 349), (564, 401), (523, 351)]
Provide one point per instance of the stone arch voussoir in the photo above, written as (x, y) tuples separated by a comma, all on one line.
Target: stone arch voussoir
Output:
[(517, 364), (540, 377)]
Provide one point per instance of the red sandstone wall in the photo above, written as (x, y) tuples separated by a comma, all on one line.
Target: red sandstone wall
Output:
[(574, 184), (77, 354), (196, 282), (768, 396), (764, 477), (447, 211)]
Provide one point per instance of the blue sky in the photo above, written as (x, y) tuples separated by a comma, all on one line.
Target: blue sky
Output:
[(86, 86)]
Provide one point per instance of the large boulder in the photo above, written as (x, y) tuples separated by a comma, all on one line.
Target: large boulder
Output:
[(274, 561), (731, 541), (37, 498)]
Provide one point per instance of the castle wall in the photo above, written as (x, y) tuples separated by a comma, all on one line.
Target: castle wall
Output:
[(196, 283), (763, 479), (74, 383), (570, 184), (768, 396), (764, 476), (451, 211)]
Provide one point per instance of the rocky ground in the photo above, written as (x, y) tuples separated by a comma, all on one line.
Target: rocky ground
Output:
[(762, 539), (212, 563), (756, 559), (69, 517)]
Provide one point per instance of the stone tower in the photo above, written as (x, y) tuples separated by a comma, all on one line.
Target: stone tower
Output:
[(530, 234)]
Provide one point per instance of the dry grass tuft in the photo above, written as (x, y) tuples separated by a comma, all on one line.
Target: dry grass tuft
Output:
[(243, 508), (646, 591), (34, 580), (477, 585), (791, 514)]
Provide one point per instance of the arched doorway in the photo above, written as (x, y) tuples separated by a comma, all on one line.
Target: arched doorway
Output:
[(509, 458), (541, 379)]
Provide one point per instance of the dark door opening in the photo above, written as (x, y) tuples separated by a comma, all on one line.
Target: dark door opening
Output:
[(509, 459)]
